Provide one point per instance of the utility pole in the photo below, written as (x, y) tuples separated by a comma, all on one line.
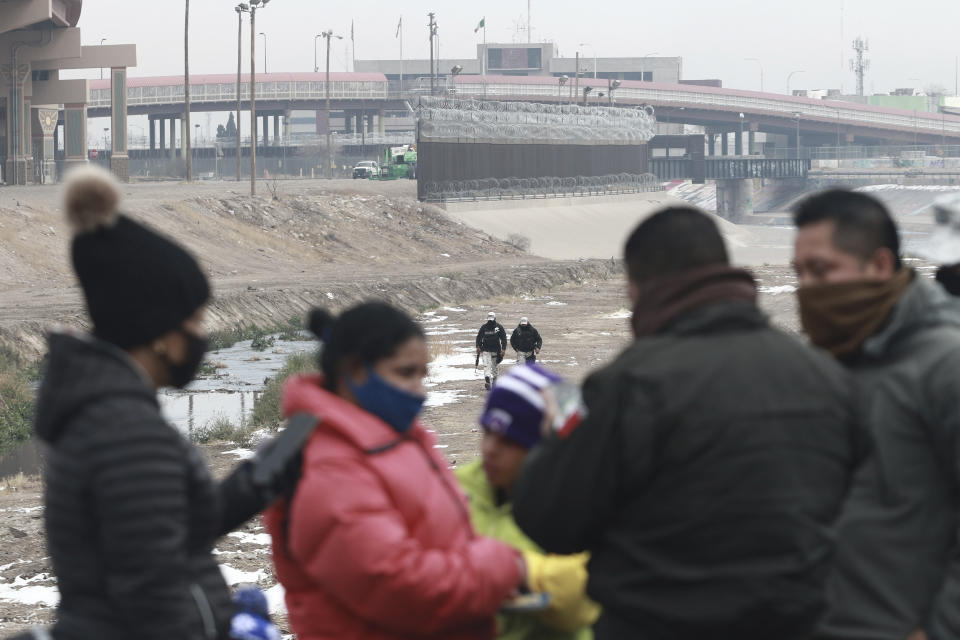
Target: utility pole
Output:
[(433, 31), (860, 65), (187, 151)]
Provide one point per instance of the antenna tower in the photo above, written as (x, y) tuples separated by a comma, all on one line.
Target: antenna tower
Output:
[(859, 65)]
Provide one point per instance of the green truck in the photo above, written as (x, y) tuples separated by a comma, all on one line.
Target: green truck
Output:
[(398, 162)]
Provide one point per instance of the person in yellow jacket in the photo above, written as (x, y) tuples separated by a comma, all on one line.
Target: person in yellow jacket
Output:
[(518, 409)]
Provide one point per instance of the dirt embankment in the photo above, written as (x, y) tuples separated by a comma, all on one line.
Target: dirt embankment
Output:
[(329, 243)]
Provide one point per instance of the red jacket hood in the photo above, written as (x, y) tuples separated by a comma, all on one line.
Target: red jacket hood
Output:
[(363, 429)]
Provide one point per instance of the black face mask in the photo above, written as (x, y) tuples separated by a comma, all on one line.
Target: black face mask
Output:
[(183, 373)]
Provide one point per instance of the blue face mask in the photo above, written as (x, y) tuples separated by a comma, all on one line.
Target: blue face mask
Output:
[(396, 407)]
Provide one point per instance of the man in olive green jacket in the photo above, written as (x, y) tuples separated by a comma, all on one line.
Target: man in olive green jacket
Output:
[(516, 412)]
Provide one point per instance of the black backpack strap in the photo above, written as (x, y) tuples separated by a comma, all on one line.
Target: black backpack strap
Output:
[(301, 426)]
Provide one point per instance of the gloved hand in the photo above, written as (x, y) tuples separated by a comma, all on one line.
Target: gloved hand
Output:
[(272, 472)]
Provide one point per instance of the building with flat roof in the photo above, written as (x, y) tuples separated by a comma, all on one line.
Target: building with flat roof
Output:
[(535, 59)]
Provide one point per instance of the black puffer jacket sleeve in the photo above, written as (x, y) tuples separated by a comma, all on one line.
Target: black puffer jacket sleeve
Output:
[(139, 493)]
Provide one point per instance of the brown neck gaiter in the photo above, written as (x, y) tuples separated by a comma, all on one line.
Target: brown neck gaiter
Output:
[(840, 317), (662, 299)]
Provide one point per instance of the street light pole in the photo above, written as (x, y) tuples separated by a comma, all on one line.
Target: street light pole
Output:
[(760, 64), (741, 133), (240, 9), (187, 153), (328, 34), (102, 40), (655, 53), (254, 5), (315, 67), (264, 51), (789, 76)]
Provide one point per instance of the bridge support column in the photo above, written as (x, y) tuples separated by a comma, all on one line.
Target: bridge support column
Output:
[(737, 143), (276, 129), (173, 138), (286, 128), (711, 144), (323, 122), (724, 144), (75, 134), (751, 141), (153, 133), (734, 199), (266, 130), (44, 127), (381, 125), (119, 159)]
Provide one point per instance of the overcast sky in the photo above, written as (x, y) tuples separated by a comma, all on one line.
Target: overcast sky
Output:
[(912, 43)]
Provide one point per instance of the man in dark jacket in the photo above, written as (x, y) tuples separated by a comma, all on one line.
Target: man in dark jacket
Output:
[(897, 573), (714, 455), (526, 342), (491, 344)]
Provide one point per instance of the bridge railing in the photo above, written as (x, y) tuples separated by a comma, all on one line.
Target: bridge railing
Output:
[(227, 92), (924, 122)]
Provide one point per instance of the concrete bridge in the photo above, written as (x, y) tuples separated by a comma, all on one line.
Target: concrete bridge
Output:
[(365, 96)]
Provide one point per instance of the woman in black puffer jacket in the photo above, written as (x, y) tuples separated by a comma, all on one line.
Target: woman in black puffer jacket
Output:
[(132, 513)]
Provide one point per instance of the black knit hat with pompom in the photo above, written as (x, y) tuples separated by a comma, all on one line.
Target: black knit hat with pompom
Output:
[(137, 283)]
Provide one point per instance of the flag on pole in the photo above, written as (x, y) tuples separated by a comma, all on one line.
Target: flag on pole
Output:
[(483, 23), (399, 26)]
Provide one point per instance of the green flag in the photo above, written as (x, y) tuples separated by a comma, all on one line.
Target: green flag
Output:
[(483, 23)]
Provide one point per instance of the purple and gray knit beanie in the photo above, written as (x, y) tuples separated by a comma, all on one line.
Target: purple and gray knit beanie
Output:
[(515, 406)]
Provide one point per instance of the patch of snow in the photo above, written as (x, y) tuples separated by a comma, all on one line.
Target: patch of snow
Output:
[(7, 566), (451, 368), (556, 303), (454, 310), (445, 255), (251, 538), (441, 398), (22, 591), (775, 291), (275, 601), (433, 318), (240, 454), (329, 295), (440, 446), (235, 576), (623, 314)]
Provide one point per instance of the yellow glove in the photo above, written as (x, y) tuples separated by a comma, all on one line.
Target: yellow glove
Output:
[(565, 579)]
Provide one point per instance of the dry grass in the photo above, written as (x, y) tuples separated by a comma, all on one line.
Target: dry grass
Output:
[(441, 347), (18, 482)]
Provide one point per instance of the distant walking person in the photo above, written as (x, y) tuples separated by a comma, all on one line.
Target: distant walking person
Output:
[(526, 341), (491, 345), (712, 461)]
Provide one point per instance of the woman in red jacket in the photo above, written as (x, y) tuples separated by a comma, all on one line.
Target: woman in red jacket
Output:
[(376, 542)]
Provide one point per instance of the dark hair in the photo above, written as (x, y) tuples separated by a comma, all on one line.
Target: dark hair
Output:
[(368, 332), (672, 240), (862, 223)]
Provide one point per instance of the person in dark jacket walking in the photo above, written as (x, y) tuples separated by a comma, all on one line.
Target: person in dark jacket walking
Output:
[(526, 342), (897, 572), (714, 455), (491, 345), (131, 512)]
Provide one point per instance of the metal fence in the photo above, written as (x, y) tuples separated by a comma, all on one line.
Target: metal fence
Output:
[(535, 188)]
